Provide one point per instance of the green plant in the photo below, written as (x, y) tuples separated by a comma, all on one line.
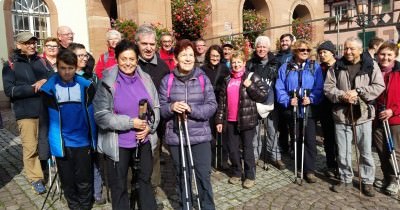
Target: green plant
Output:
[(160, 29), (302, 30), (126, 27), (253, 22), (189, 18)]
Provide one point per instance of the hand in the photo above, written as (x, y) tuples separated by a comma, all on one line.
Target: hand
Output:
[(180, 107), (247, 83), (37, 85), (141, 135), (139, 124), (386, 114), (293, 102), (306, 101), (219, 128)]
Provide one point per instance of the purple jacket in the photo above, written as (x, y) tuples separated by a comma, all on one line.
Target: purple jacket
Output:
[(202, 103)]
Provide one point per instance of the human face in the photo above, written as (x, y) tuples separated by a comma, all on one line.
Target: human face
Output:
[(325, 56), (352, 52), (215, 57), (200, 47), (262, 50), (286, 43), (166, 42), (66, 36), (127, 62), (147, 46), (186, 60), (113, 41), (82, 58), (28, 48), (227, 53), (66, 71), (386, 57), (237, 64), (302, 53), (51, 48)]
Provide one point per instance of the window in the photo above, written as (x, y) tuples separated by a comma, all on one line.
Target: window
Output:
[(340, 8), (32, 16), (386, 6)]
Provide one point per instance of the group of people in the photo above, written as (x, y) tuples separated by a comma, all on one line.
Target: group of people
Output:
[(101, 119)]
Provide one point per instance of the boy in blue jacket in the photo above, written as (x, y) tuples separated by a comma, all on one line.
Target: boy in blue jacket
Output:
[(72, 130)]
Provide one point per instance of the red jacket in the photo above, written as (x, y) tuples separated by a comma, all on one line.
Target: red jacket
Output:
[(168, 58), (106, 61), (391, 95)]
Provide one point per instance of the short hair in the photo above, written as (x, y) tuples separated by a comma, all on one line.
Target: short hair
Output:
[(291, 37), (376, 41), (76, 46), (182, 45), (357, 40), (113, 32), (63, 28), (51, 39), (144, 29), (200, 40), (125, 45), (300, 42), (68, 57), (238, 54), (262, 40), (389, 45), (212, 47)]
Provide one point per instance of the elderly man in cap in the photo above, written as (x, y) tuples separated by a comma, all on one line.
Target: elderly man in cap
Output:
[(23, 75), (227, 49)]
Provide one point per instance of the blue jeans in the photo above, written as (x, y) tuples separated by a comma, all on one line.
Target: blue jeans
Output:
[(344, 138)]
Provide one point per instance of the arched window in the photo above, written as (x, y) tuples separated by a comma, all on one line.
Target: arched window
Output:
[(32, 16)]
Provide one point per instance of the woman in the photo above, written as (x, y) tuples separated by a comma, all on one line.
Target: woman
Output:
[(107, 59), (84, 68), (216, 72), (237, 114), (187, 91), (300, 84), (121, 131), (388, 107), (50, 51)]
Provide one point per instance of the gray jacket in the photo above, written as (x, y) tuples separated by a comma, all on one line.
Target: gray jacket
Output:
[(110, 123)]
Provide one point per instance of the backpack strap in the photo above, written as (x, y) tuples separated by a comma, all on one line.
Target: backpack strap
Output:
[(44, 62), (201, 80), (250, 75), (106, 56), (10, 64), (169, 84)]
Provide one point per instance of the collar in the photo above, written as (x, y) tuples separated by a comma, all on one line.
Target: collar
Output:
[(152, 61)]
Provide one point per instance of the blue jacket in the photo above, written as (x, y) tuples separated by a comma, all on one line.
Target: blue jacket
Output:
[(55, 127), (202, 103), (289, 79)]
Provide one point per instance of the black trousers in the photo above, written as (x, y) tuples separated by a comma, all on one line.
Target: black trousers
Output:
[(118, 174), (202, 165), (328, 129), (310, 148), (283, 130), (76, 176), (235, 139)]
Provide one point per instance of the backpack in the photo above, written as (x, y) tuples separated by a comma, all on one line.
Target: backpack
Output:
[(171, 79)]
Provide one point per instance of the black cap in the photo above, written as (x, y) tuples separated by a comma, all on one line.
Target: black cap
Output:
[(327, 45)]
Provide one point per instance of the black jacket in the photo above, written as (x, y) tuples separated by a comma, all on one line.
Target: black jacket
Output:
[(269, 71), (18, 80), (156, 72), (216, 74), (248, 115)]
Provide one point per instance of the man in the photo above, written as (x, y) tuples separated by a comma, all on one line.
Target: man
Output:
[(285, 54), (373, 46), (227, 49), (167, 50), (352, 85), (23, 76), (153, 65), (326, 51), (65, 36), (200, 51)]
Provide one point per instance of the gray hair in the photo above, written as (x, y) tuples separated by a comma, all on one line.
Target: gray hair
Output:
[(357, 40), (262, 40), (144, 29), (111, 33)]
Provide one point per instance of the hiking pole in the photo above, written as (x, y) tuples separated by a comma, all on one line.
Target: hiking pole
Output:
[(220, 150), (48, 193), (196, 190), (265, 167), (294, 136), (216, 150), (391, 150), (305, 118), (353, 127), (183, 158)]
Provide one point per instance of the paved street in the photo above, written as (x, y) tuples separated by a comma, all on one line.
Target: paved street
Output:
[(274, 189)]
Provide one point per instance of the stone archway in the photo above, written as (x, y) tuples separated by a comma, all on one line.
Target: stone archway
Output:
[(261, 7), (301, 11)]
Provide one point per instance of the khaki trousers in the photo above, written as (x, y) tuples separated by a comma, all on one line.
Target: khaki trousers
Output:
[(28, 129)]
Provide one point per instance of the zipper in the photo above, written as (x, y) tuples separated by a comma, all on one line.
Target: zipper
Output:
[(60, 125), (87, 116)]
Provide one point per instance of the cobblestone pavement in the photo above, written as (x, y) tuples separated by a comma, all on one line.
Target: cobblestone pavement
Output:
[(274, 189)]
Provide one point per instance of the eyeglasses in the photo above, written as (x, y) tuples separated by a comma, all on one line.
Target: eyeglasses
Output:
[(83, 56), (30, 43), (51, 46), (304, 50), (166, 41), (215, 56)]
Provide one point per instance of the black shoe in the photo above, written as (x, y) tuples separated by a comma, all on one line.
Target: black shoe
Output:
[(330, 172), (368, 190), (340, 187)]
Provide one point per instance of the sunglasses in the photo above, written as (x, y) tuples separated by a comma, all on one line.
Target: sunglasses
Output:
[(304, 50)]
